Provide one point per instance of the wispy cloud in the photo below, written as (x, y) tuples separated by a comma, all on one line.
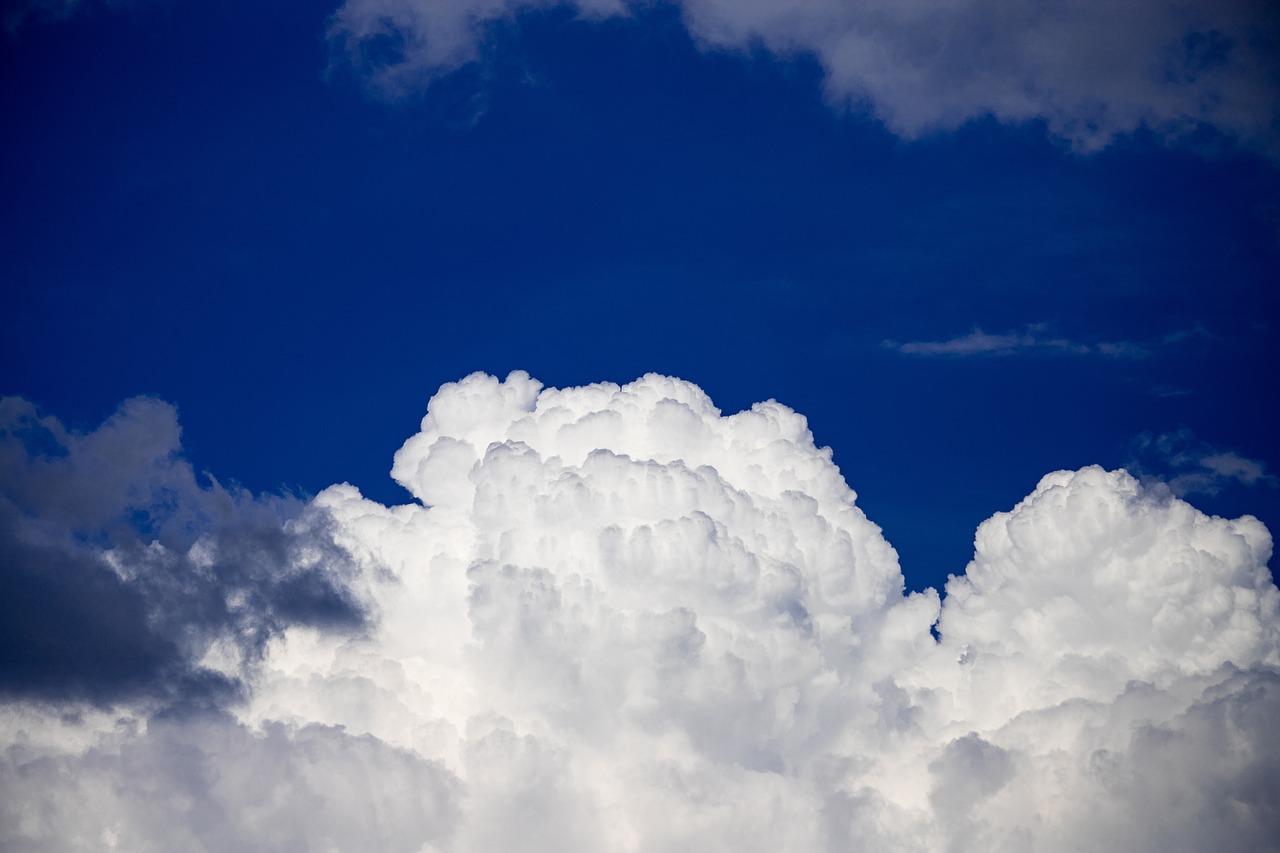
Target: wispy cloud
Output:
[(1187, 465), (19, 12), (1091, 72), (1033, 338)]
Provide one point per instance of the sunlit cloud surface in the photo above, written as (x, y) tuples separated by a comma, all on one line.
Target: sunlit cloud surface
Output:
[(617, 619)]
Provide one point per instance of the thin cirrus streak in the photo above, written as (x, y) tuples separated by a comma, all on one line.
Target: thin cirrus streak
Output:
[(617, 619), (980, 343), (1037, 338)]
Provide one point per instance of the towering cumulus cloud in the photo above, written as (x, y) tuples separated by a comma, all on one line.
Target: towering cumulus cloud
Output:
[(1089, 69), (618, 620)]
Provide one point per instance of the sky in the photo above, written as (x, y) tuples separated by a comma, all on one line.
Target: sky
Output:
[(850, 424)]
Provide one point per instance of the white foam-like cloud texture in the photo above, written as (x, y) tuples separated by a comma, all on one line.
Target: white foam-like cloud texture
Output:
[(1090, 69), (621, 621)]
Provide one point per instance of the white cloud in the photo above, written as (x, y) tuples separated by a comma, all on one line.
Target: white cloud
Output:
[(1090, 70), (621, 620), (213, 784)]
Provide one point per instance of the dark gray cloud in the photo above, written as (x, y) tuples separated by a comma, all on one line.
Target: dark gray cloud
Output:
[(120, 573)]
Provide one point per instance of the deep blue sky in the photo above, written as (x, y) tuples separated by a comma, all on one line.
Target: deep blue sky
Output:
[(201, 201)]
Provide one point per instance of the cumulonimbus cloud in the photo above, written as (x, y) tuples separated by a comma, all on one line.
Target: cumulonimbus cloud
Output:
[(617, 619), (1089, 70)]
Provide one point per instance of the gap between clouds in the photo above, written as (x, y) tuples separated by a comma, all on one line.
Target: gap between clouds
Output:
[(621, 620)]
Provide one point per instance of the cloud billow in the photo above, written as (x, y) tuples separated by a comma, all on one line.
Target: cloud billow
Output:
[(1090, 71), (617, 619)]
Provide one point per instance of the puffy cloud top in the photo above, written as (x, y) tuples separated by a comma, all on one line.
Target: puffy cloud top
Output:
[(620, 620), (1091, 70)]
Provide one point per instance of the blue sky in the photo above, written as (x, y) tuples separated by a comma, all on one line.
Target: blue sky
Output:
[(252, 252), (208, 203)]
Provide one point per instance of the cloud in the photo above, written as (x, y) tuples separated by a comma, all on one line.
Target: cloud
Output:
[(618, 619), (978, 342), (20, 12), (1233, 466), (209, 783), (122, 576), (1187, 466), (1090, 70)]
